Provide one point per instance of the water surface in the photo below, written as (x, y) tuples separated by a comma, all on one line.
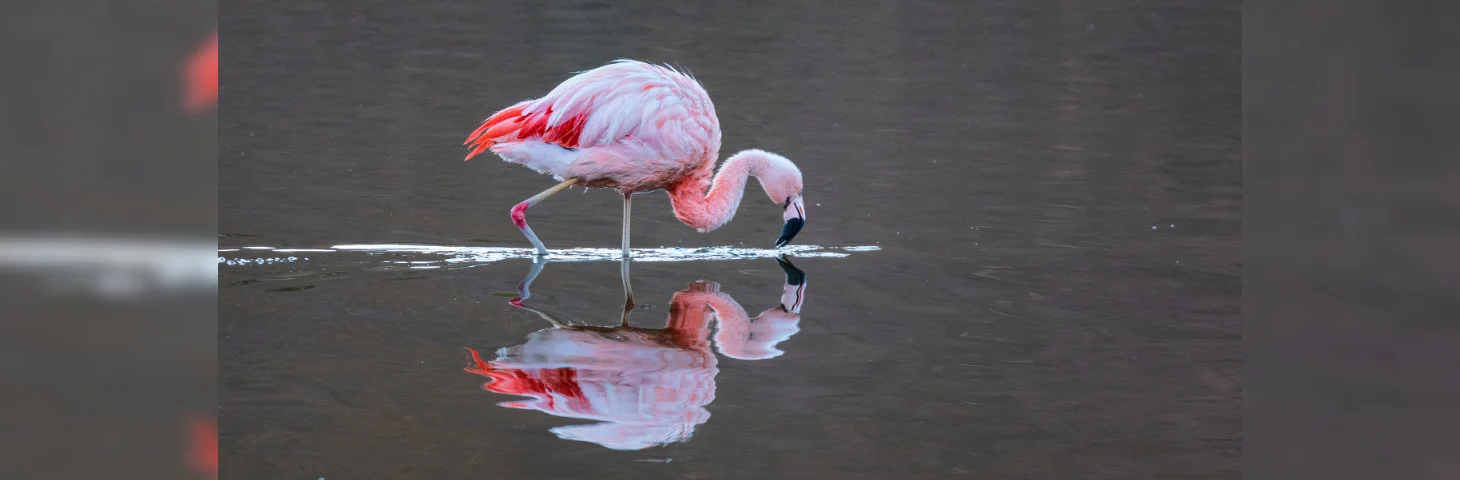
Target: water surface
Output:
[(1054, 191)]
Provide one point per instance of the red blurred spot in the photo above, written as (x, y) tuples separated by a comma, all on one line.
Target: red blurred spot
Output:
[(203, 456), (200, 77)]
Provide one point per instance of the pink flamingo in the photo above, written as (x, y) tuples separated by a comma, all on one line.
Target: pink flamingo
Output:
[(637, 128)]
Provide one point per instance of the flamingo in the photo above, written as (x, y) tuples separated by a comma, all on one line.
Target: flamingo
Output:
[(637, 128)]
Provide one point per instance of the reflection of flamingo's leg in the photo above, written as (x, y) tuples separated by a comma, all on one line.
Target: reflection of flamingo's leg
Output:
[(545, 316), (523, 293), (628, 291), (522, 288)]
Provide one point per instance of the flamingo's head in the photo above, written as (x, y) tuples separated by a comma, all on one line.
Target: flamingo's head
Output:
[(782, 182), (795, 217)]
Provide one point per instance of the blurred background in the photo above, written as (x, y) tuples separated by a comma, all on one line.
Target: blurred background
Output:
[(107, 215), (108, 201)]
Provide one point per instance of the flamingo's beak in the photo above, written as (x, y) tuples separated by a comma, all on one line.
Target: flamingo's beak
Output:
[(795, 219)]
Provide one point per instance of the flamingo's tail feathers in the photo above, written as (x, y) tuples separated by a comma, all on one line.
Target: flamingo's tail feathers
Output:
[(528, 122), (542, 157), (500, 127)]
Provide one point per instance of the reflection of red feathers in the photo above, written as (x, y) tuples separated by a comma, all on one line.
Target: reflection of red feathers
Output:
[(545, 384), (642, 390), (203, 440), (200, 77)]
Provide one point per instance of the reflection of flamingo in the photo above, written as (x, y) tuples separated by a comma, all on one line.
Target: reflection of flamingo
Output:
[(646, 387), (637, 128)]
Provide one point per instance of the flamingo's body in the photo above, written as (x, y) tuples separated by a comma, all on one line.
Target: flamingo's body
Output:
[(637, 128)]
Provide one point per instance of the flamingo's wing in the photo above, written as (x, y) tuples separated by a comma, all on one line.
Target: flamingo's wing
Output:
[(622, 100)]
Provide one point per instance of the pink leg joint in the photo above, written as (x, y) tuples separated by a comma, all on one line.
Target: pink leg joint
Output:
[(519, 215)]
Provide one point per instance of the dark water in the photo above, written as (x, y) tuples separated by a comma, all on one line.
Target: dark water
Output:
[(1054, 188)]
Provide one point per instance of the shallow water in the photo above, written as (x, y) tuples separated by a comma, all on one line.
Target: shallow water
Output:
[(1053, 191)]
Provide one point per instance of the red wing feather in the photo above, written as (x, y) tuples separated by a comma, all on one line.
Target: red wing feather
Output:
[(510, 124), (494, 128)]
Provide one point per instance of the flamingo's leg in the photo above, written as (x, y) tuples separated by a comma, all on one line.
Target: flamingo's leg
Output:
[(628, 198), (624, 262), (519, 213), (628, 291)]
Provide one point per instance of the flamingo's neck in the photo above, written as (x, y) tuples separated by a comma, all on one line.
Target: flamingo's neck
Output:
[(708, 210)]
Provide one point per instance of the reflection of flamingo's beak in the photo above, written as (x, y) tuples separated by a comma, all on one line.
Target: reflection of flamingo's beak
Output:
[(794, 292), (794, 276), (795, 219)]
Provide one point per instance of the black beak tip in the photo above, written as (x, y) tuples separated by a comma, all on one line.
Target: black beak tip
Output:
[(793, 226)]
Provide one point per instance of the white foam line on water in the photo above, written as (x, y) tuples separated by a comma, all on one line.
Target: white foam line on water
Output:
[(232, 262), (462, 254), (466, 256)]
